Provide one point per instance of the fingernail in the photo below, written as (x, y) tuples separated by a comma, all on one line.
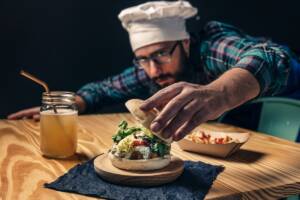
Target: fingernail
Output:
[(155, 126)]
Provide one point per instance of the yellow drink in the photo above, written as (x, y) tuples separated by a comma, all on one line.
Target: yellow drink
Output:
[(58, 133)]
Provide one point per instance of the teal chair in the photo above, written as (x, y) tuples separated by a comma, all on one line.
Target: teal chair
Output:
[(279, 117)]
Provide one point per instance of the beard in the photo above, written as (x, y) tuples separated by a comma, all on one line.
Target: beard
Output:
[(165, 79), (183, 74)]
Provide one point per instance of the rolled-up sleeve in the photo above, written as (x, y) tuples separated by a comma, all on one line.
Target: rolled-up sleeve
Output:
[(269, 65), (226, 47)]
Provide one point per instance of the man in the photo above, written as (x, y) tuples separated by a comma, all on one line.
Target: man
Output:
[(191, 80)]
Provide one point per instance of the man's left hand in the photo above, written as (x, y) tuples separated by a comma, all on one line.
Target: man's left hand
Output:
[(183, 107)]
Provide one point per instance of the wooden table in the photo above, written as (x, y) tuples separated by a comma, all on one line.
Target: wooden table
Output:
[(265, 168)]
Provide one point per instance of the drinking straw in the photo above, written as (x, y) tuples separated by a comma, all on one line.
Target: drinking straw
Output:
[(38, 81)]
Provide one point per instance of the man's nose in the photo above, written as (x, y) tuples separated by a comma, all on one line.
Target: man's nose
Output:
[(155, 68)]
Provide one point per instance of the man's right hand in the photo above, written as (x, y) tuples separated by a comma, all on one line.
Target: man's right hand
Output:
[(30, 113), (34, 113)]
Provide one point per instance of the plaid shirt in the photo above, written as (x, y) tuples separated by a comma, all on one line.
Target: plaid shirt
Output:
[(220, 47)]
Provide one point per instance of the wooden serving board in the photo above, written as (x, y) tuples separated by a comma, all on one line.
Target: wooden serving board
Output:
[(108, 172)]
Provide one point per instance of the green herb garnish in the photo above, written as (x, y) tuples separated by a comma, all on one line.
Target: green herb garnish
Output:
[(160, 148), (124, 131)]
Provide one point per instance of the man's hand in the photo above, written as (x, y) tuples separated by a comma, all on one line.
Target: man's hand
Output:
[(30, 113), (184, 106), (34, 113)]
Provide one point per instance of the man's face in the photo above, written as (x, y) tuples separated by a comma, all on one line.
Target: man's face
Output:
[(165, 73)]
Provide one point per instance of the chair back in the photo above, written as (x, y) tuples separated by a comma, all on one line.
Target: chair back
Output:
[(278, 117)]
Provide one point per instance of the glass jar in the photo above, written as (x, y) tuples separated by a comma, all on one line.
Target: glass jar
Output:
[(58, 125)]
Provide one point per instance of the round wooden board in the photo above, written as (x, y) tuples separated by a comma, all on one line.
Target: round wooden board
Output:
[(108, 172)]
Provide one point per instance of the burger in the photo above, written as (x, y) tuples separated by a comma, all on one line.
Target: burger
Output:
[(137, 147)]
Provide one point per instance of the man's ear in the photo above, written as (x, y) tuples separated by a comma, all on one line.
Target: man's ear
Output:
[(186, 46)]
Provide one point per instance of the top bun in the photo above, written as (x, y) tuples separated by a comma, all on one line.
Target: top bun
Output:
[(145, 118)]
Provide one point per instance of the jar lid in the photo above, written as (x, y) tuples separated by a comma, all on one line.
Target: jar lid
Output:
[(58, 97)]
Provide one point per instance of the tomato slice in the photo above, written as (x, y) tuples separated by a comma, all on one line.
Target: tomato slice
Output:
[(139, 143)]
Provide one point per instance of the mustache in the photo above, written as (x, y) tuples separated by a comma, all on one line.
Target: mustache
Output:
[(163, 77)]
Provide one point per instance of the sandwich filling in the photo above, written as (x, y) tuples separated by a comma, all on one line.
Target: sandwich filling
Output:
[(136, 143)]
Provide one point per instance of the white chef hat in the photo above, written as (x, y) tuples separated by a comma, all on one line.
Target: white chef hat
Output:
[(156, 21)]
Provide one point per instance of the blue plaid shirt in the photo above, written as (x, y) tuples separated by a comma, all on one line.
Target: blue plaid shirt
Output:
[(220, 47)]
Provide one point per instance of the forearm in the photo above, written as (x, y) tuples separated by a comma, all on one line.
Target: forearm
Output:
[(238, 86)]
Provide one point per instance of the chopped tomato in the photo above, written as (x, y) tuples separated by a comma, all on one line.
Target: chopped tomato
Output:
[(139, 143), (219, 140), (202, 137)]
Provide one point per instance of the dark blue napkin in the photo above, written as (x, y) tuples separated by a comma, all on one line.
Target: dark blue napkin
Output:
[(194, 183)]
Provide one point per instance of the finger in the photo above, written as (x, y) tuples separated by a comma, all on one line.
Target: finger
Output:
[(14, 116), (170, 111), (36, 117), (160, 107), (161, 97), (28, 113), (185, 115), (17, 115), (200, 117)]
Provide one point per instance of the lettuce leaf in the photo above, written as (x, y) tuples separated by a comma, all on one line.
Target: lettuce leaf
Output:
[(124, 131)]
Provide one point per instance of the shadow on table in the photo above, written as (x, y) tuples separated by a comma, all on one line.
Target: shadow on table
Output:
[(245, 156), (76, 157), (241, 156)]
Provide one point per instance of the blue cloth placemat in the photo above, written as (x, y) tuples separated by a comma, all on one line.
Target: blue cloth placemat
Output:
[(194, 183)]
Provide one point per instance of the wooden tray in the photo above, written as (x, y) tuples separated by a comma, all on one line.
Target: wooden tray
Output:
[(108, 172)]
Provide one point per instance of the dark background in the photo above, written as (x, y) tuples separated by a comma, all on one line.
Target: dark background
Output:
[(68, 43)]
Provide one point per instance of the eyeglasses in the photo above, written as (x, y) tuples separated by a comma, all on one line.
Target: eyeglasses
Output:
[(160, 57)]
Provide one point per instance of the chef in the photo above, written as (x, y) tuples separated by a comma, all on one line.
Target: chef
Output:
[(190, 78)]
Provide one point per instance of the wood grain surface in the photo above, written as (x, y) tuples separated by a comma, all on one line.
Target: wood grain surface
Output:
[(264, 168)]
